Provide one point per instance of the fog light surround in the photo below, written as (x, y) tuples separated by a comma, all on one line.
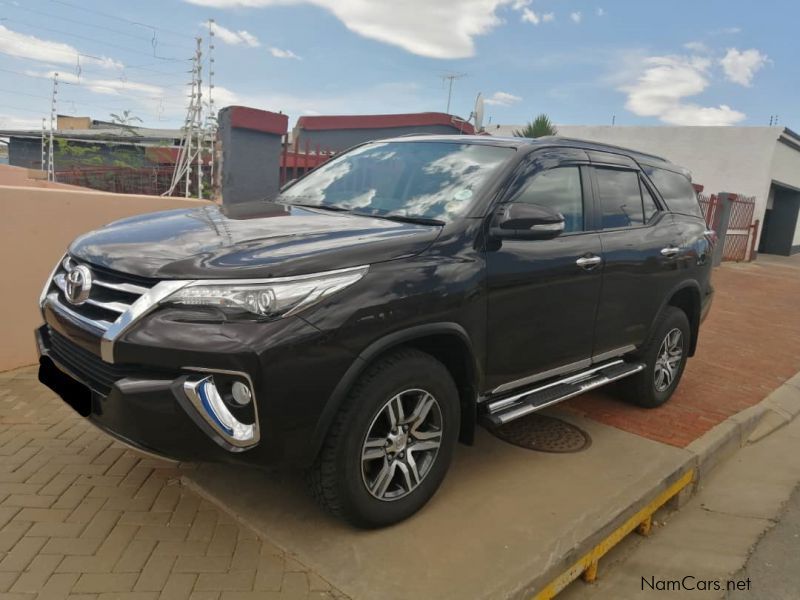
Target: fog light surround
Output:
[(204, 395)]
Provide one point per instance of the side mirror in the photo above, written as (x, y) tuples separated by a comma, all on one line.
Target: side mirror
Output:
[(520, 221)]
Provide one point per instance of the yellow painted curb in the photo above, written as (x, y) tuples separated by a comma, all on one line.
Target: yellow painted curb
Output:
[(642, 521)]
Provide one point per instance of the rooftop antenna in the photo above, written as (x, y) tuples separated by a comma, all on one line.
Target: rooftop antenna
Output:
[(613, 120), (477, 113), (451, 77)]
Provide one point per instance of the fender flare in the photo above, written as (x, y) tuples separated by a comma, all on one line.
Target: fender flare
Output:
[(694, 320), (366, 356)]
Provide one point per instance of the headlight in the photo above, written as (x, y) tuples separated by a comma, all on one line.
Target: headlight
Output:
[(269, 298)]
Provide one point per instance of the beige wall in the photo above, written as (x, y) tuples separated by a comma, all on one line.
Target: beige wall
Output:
[(36, 226)]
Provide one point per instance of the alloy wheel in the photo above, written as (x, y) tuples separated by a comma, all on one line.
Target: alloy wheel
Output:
[(401, 444), (668, 361)]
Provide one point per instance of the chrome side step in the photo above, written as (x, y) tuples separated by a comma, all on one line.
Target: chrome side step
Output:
[(504, 410)]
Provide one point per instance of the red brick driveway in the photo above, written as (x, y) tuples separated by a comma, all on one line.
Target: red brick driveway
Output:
[(749, 345)]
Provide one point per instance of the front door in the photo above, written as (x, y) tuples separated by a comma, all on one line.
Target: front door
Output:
[(543, 294)]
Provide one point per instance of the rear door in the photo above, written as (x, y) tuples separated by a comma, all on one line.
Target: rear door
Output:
[(641, 246), (543, 294)]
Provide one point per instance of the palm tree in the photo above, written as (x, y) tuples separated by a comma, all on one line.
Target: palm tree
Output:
[(126, 121), (540, 126)]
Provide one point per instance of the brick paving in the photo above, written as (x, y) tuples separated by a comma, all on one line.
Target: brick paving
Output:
[(749, 345), (83, 517)]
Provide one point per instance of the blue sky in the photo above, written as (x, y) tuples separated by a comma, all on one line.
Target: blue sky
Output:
[(707, 62)]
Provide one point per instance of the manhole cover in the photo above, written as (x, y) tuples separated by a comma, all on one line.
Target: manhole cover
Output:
[(543, 433)]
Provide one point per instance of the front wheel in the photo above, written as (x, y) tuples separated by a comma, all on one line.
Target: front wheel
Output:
[(390, 446), (665, 358)]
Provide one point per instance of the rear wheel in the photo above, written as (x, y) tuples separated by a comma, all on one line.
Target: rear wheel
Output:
[(390, 446), (665, 359)]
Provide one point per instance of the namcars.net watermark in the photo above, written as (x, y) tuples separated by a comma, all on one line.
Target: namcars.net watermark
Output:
[(691, 583)]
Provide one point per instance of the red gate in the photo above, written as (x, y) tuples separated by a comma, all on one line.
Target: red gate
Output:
[(740, 237)]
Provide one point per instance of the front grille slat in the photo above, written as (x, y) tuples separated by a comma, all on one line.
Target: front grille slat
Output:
[(98, 375), (110, 296)]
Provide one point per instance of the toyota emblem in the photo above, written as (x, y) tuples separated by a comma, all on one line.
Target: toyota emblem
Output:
[(78, 284)]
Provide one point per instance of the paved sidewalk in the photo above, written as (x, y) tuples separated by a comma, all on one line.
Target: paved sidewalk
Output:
[(83, 517)]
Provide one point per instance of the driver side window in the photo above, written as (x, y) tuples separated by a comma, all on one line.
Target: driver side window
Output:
[(559, 189)]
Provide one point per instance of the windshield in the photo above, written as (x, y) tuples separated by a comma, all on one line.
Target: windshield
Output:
[(430, 180)]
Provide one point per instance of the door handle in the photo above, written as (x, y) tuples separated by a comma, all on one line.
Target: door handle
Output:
[(670, 251), (588, 262)]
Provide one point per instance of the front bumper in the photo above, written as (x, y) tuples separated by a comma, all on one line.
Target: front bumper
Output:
[(141, 399)]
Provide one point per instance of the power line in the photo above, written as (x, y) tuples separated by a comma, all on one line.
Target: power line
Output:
[(97, 41), (123, 19), (87, 24)]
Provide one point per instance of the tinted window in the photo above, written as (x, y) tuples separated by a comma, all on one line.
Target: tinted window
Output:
[(620, 198), (650, 206), (676, 190), (559, 189), (438, 180)]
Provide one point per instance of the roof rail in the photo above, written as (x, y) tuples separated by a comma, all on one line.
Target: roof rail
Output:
[(609, 146)]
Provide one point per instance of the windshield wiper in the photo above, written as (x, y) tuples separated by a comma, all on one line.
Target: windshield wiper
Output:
[(331, 207), (408, 219)]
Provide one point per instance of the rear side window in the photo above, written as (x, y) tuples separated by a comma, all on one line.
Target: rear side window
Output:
[(620, 198), (676, 190), (649, 203)]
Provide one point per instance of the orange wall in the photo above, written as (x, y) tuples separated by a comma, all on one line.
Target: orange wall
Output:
[(36, 226)]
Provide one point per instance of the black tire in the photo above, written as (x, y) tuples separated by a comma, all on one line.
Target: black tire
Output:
[(338, 481), (643, 389)]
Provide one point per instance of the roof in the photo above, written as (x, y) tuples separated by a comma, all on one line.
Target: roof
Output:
[(426, 119), (117, 134), (551, 140)]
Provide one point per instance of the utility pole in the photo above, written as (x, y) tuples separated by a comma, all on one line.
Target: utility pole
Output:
[(211, 115), (450, 78), (51, 173), (44, 144), (192, 124)]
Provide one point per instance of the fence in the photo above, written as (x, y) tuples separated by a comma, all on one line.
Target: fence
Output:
[(741, 231), (296, 161), (150, 181)]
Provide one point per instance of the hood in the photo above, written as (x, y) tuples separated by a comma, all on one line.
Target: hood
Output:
[(250, 240)]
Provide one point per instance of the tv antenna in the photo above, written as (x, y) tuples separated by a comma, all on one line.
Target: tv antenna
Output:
[(451, 78)]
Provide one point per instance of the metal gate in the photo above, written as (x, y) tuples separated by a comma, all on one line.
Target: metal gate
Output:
[(740, 235)]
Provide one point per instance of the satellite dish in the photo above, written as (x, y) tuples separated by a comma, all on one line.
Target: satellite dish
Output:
[(478, 112)]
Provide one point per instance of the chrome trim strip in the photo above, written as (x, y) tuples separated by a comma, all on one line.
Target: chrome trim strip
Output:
[(256, 423), (97, 326), (290, 279), (500, 404), (143, 305), (117, 307), (581, 364), (613, 353), (529, 408), (122, 287), (48, 283)]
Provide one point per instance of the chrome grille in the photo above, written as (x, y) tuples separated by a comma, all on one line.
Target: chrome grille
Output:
[(110, 296)]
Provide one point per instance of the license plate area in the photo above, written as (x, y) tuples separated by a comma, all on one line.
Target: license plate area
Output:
[(73, 392)]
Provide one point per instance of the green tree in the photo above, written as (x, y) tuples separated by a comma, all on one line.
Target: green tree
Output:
[(126, 121), (540, 126)]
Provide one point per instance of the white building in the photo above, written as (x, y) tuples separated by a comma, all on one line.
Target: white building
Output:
[(763, 162)]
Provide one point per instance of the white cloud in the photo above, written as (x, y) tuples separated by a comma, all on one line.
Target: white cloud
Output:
[(231, 37), (741, 66), (528, 16), (111, 87), (601, 12), (548, 17), (15, 122), (503, 99), (576, 16), (661, 89), (696, 47), (27, 46), (443, 30), (278, 53)]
